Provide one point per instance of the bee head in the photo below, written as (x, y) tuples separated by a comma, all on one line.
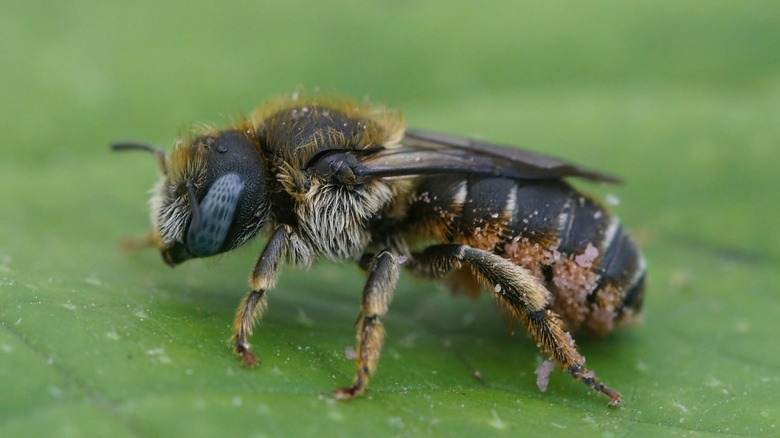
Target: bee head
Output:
[(212, 196)]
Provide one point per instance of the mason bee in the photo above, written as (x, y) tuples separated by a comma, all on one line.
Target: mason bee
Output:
[(345, 181)]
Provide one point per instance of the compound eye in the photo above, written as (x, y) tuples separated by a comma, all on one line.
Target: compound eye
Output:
[(211, 219)]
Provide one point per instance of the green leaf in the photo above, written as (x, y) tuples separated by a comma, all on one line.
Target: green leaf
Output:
[(679, 99)]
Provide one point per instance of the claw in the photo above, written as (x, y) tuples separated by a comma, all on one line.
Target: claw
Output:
[(248, 359), (614, 396), (347, 393)]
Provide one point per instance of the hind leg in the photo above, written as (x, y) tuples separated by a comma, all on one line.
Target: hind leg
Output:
[(522, 295)]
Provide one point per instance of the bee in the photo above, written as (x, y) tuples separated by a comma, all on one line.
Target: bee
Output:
[(346, 181)]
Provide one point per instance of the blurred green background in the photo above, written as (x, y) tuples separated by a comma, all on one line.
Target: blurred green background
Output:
[(681, 98)]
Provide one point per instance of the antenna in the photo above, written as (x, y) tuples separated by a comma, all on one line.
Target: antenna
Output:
[(159, 154)]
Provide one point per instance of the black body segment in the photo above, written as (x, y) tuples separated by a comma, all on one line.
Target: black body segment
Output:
[(572, 243), (538, 209)]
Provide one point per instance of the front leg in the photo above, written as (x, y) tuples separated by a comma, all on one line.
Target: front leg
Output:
[(264, 277), (376, 300)]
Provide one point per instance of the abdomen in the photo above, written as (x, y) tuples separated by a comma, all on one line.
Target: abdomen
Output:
[(571, 243)]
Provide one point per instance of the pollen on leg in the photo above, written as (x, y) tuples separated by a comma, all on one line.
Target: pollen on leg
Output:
[(603, 310), (572, 284), (543, 372), (486, 236), (533, 256)]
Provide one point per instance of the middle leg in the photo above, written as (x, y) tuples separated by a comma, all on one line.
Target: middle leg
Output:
[(376, 300)]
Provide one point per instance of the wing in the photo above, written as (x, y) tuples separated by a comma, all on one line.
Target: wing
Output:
[(425, 153)]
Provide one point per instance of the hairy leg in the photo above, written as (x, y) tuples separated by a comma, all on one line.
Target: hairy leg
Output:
[(263, 277), (520, 293), (377, 295)]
